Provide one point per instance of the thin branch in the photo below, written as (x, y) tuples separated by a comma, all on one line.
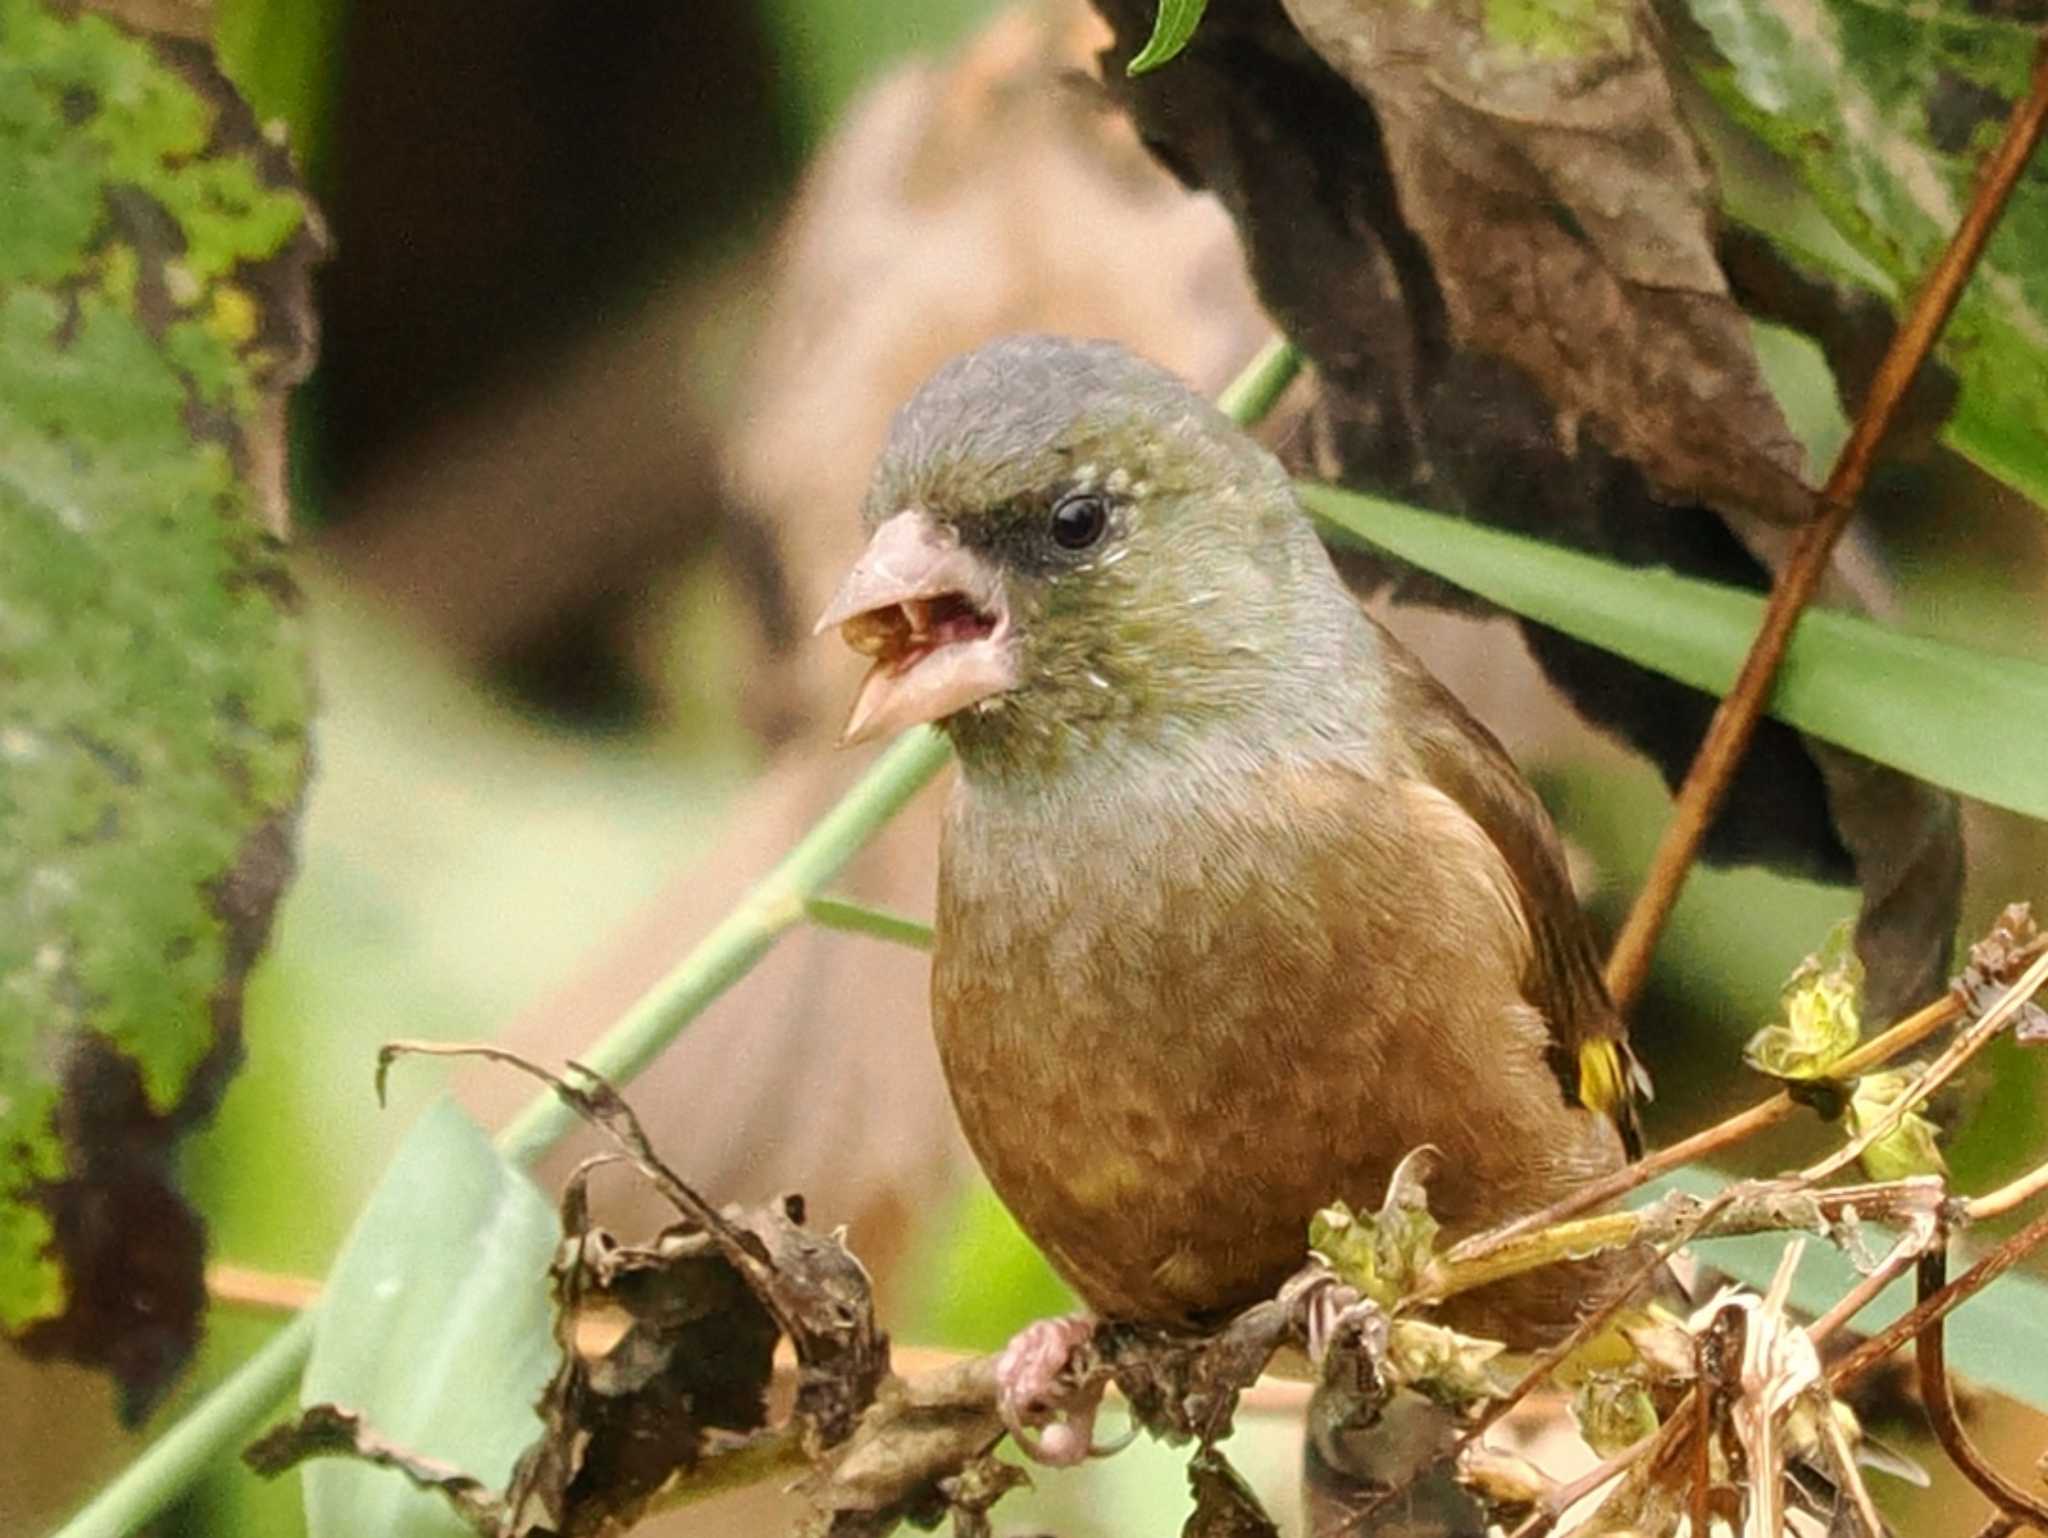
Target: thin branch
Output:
[(1743, 1125), (1910, 1247), (859, 919), (1996, 1204), (1945, 1067), (1928, 1350), (268, 1292), (2009, 1253), (1594, 1322), (1735, 720)]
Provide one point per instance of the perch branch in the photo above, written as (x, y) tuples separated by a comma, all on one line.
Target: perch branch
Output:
[(1735, 720), (2000, 1260), (1765, 1114)]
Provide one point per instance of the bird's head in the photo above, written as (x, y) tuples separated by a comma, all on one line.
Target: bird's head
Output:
[(1070, 546)]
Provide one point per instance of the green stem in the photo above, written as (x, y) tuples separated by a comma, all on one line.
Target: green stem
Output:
[(743, 937), (1260, 384), (228, 1414), (859, 919), (175, 1460)]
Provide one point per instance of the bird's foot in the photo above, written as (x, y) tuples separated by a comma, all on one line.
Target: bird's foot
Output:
[(1333, 1314), (1045, 1394)]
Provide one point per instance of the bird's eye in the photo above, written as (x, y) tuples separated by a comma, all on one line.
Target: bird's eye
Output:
[(1078, 520)]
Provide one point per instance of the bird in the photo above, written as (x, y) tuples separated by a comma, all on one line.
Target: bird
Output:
[(1237, 905)]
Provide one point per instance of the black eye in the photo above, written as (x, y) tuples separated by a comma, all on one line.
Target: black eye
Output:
[(1078, 520)]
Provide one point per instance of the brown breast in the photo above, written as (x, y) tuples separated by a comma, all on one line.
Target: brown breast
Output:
[(1174, 1031)]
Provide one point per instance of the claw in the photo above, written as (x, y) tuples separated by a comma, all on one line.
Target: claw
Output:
[(1051, 1416)]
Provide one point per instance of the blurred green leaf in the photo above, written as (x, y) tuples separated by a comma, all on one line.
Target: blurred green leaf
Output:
[(1995, 1339), (826, 50), (153, 685), (286, 58), (436, 1324), (1883, 111), (1972, 721), (1173, 27)]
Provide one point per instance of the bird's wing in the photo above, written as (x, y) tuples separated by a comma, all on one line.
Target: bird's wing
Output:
[(1451, 752)]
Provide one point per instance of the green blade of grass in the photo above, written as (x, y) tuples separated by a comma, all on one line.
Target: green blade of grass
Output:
[(1972, 721)]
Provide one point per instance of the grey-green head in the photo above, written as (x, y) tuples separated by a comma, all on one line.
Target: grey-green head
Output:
[(1071, 549)]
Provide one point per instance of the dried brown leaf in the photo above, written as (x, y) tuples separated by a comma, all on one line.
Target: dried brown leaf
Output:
[(1541, 160)]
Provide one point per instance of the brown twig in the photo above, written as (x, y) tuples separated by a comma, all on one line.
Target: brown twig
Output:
[(1743, 1125), (2009, 1253), (1910, 1247), (1567, 1495), (1958, 1052), (1928, 1349), (269, 1292), (1593, 1323), (1735, 720), (1996, 1204)]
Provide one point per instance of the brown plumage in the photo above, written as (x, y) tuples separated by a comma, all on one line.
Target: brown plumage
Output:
[(1237, 906)]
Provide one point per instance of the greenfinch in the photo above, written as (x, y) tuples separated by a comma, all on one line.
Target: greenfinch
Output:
[(1237, 905)]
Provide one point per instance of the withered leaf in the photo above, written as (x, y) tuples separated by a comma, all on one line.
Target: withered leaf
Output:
[(1539, 157), (1996, 962), (1224, 1504)]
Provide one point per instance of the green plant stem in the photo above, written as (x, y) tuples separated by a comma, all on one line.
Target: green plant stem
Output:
[(176, 1459), (859, 919), (742, 937), (1260, 383), (229, 1413)]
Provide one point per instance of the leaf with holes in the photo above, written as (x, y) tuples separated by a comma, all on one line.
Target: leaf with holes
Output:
[(153, 687)]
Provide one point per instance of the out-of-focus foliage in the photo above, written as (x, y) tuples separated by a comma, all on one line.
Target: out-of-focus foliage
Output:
[(436, 1325), (153, 689), (1884, 112)]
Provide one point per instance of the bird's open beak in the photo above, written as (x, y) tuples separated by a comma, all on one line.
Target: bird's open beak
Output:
[(931, 614)]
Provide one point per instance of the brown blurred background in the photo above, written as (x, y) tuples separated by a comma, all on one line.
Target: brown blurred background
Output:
[(620, 301)]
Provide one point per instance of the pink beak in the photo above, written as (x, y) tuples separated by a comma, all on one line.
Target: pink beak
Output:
[(932, 615)]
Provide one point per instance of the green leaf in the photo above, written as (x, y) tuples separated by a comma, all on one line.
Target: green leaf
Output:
[(1822, 1021), (153, 684), (436, 1325), (1910, 1147), (1382, 1253), (1172, 28), (1973, 721), (1995, 1339), (1883, 112)]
